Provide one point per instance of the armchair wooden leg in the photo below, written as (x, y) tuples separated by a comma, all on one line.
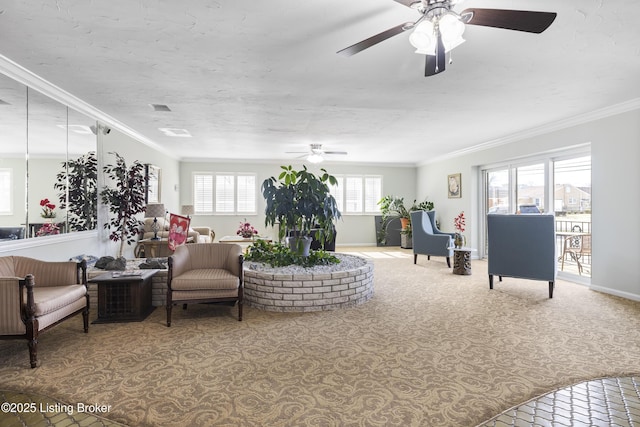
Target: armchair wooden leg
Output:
[(491, 281), (169, 306), (551, 286), (240, 304), (85, 319), (32, 336), (415, 258), (449, 262)]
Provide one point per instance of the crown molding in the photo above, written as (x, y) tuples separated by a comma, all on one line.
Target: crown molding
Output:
[(20, 74), (601, 113)]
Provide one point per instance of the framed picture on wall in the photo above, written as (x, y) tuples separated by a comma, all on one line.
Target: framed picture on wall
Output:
[(454, 186), (152, 180)]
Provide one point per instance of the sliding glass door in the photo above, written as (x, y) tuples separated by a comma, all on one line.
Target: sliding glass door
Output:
[(558, 184)]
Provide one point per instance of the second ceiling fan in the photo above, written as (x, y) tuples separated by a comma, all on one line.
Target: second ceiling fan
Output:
[(439, 29)]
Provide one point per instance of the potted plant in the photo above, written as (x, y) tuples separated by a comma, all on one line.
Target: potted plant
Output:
[(125, 201), (300, 202), (79, 179), (393, 207)]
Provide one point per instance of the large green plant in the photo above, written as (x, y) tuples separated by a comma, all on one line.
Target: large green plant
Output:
[(300, 202), (78, 181), (125, 201), (393, 207)]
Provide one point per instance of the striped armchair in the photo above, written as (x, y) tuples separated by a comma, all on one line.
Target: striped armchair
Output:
[(37, 295), (203, 273)]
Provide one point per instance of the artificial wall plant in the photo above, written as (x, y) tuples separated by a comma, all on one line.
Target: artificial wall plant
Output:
[(77, 184), (300, 202), (125, 201)]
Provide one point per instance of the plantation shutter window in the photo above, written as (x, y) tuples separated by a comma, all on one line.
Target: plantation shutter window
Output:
[(225, 193), (246, 193), (372, 193), (6, 193), (203, 193), (353, 194), (337, 191)]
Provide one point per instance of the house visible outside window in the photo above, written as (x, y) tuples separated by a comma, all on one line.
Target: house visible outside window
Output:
[(224, 193), (358, 194), (6, 192)]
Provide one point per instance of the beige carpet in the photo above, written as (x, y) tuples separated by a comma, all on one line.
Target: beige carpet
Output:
[(429, 349)]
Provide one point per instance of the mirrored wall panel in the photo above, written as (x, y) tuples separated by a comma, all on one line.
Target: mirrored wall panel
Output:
[(48, 170)]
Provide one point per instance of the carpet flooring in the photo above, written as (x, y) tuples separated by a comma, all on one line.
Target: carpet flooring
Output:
[(429, 349)]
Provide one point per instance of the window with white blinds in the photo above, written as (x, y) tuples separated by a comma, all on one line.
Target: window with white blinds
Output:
[(6, 192), (358, 194), (224, 193)]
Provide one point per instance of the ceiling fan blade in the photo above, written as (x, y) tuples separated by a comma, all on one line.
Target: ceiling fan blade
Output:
[(436, 64), (371, 41), (334, 152), (519, 20), (296, 152), (407, 3)]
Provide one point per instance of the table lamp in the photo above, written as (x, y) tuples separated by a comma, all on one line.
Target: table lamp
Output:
[(155, 210), (187, 210)]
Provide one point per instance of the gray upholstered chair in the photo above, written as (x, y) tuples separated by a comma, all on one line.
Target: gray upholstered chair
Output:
[(427, 239), (204, 273), (522, 246), (36, 295)]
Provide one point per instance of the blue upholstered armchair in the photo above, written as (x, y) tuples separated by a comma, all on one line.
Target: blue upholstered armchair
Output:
[(522, 246), (427, 239)]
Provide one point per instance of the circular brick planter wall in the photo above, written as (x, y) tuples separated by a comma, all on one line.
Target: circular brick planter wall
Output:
[(308, 292)]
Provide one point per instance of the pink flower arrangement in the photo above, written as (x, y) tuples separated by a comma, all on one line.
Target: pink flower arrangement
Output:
[(47, 229), (47, 209), (459, 222), (246, 230)]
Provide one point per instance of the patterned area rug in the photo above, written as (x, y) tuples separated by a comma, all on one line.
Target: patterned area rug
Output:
[(430, 348)]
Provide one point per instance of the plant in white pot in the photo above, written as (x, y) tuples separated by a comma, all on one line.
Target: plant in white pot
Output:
[(301, 204)]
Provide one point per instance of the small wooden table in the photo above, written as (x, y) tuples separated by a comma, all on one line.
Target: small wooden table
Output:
[(462, 260), (124, 297)]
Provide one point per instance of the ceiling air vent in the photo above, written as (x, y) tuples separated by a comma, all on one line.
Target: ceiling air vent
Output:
[(183, 133), (160, 107)]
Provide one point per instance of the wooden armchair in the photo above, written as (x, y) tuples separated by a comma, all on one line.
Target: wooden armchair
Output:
[(203, 273), (37, 295)]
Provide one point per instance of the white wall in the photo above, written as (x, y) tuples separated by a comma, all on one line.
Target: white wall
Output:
[(351, 229), (615, 155)]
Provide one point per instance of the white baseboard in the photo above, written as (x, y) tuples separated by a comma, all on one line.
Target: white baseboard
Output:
[(622, 294)]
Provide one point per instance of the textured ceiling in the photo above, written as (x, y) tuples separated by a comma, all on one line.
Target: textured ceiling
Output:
[(253, 80)]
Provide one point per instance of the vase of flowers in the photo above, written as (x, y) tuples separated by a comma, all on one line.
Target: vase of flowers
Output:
[(246, 230), (47, 209), (459, 224)]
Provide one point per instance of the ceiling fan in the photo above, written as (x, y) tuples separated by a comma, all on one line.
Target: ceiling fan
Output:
[(315, 153), (439, 29)]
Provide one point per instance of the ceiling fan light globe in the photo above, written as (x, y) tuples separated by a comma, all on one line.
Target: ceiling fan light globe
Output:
[(450, 26), (452, 44), (423, 42), (314, 158)]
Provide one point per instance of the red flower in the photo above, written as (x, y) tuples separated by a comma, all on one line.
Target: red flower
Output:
[(459, 222), (44, 202)]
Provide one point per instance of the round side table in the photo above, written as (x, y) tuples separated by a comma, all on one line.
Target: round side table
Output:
[(462, 260)]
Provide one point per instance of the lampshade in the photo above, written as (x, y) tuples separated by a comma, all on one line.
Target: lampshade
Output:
[(154, 210), (187, 210)]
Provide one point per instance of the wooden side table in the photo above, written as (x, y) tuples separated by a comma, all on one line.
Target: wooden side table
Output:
[(462, 261), (123, 297)]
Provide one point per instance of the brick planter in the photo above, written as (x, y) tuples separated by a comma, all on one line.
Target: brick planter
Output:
[(308, 292)]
